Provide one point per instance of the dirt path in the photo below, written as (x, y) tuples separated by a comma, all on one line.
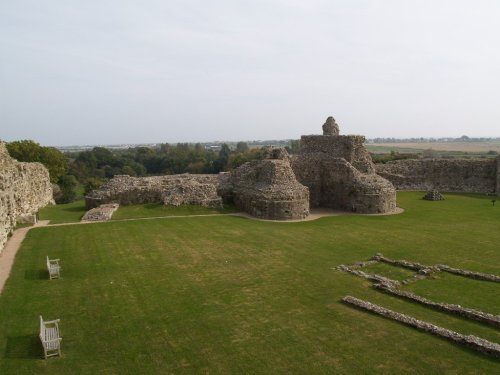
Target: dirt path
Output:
[(8, 254)]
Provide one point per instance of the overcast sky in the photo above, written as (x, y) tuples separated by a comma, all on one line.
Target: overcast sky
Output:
[(123, 71)]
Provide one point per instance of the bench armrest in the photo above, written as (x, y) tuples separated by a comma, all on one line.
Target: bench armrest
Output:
[(52, 321)]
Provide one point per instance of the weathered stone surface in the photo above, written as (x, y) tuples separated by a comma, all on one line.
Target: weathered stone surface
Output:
[(433, 195), (331, 171), (188, 191), (450, 308), (368, 276), (470, 274), (453, 175), (268, 188), (471, 341), (102, 213), (175, 189), (24, 189), (339, 173), (330, 127)]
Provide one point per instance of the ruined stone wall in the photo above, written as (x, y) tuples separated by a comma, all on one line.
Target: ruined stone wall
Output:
[(339, 173), (201, 189), (268, 189), (335, 183), (24, 189), (348, 147), (454, 175)]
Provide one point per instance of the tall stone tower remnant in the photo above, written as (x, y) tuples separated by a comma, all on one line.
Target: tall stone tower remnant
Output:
[(340, 174)]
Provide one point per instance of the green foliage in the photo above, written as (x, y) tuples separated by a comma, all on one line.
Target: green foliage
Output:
[(92, 183), (63, 213), (242, 147), (68, 184), (30, 151)]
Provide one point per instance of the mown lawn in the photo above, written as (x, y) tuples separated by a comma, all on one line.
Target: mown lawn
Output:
[(237, 296), (63, 213)]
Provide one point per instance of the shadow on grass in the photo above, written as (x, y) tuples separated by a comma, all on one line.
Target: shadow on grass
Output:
[(152, 206), (36, 275), (24, 347)]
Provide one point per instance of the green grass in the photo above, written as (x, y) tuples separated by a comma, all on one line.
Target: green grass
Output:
[(391, 272), (63, 213), (160, 210), (73, 212), (228, 295)]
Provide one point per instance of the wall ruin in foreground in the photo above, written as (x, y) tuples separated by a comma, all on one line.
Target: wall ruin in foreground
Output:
[(24, 189), (452, 175)]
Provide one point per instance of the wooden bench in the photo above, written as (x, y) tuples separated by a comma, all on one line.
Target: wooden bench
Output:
[(53, 267), (49, 336)]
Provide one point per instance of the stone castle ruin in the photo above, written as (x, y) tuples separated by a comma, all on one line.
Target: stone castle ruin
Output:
[(24, 189), (331, 171), (340, 174), (451, 175)]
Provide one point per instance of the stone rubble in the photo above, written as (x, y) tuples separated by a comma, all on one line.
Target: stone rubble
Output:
[(433, 195), (453, 175), (422, 271), (450, 308), (474, 342), (470, 274), (403, 263), (369, 276), (102, 213), (176, 189)]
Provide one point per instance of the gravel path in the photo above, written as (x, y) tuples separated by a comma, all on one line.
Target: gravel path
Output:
[(9, 252)]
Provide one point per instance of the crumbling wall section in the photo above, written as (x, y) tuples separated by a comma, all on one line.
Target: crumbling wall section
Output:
[(340, 174), (452, 175), (268, 189), (24, 189), (201, 189)]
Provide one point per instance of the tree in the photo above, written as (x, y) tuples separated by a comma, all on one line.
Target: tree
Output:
[(68, 184), (30, 151), (242, 147)]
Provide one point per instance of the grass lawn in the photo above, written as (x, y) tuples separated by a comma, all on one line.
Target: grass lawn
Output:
[(160, 210), (64, 213), (237, 296), (389, 271)]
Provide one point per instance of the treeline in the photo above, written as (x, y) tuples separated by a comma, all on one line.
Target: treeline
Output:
[(95, 166), (91, 168)]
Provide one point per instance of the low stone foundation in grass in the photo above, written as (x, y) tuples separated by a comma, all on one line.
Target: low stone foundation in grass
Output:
[(102, 213), (474, 342)]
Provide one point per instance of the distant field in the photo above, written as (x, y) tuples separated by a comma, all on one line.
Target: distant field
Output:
[(229, 295), (479, 147)]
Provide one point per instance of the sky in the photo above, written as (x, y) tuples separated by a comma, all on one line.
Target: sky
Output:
[(121, 71)]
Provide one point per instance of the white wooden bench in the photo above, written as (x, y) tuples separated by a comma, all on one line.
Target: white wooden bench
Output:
[(49, 336), (53, 267)]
